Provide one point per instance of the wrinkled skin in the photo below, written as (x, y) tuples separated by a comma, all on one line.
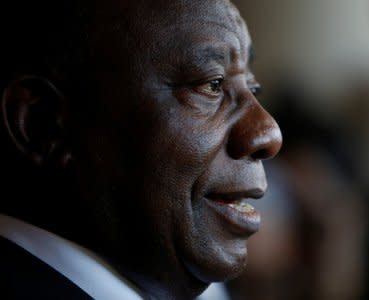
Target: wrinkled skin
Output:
[(176, 122), (190, 137)]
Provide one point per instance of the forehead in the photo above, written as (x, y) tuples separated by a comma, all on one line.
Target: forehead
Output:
[(186, 27), (199, 18), (163, 32)]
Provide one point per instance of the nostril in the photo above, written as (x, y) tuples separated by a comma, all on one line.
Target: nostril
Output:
[(260, 154), (266, 153)]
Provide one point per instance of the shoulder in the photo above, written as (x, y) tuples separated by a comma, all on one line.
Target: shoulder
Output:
[(24, 276)]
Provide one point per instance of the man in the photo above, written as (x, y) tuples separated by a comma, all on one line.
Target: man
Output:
[(141, 141)]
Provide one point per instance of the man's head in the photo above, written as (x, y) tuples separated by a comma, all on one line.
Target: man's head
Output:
[(147, 110)]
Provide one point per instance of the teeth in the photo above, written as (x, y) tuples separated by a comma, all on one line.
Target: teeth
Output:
[(243, 201), (242, 206)]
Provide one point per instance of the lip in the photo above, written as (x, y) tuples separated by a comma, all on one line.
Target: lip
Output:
[(241, 223)]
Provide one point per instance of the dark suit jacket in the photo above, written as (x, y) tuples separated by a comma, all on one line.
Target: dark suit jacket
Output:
[(23, 276)]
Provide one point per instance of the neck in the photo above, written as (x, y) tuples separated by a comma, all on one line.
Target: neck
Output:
[(165, 285), (159, 274)]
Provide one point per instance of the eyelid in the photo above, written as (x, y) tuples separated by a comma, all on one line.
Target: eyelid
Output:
[(253, 85), (201, 86), (207, 80), (255, 88)]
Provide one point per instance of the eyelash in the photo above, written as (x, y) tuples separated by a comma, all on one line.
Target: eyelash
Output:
[(211, 88), (216, 83), (255, 89)]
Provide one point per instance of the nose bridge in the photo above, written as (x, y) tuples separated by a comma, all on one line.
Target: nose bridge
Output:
[(255, 135)]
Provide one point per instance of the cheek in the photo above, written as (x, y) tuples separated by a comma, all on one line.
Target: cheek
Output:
[(177, 151), (185, 145)]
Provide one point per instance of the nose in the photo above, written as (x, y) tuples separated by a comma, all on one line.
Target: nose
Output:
[(255, 135)]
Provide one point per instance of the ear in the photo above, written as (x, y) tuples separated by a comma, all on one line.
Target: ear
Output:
[(34, 112)]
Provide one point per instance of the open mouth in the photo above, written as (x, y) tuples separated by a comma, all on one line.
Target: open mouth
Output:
[(236, 211), (237, 201), (240, 204)]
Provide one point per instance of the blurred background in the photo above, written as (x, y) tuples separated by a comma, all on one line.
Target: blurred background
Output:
[(312, 59)]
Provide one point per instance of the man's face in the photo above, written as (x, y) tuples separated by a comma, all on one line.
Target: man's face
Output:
[(176, 152)]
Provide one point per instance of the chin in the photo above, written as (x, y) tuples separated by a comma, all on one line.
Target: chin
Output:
[(209, 247), (214, 263)]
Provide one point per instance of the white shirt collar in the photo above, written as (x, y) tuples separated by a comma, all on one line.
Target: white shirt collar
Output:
[(81, 266)]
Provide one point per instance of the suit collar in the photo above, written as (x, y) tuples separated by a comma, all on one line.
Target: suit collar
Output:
[(81, 266)]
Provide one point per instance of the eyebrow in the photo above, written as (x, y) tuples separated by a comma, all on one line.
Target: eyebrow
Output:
[(219, 55), (209, 54)]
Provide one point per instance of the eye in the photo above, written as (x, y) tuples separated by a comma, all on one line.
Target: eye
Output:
[(255, 89), (212, 87), (253, 85)]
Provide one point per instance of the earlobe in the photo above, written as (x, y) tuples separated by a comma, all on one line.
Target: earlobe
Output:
[(34, 115)]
